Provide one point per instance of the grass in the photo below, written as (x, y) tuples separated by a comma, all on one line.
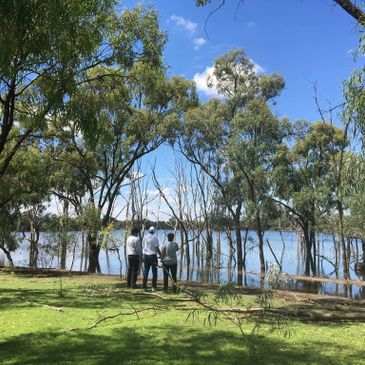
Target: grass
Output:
[(32, 334)]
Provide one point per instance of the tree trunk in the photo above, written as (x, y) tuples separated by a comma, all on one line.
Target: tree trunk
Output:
[(308, 249), (63, 234), (260, 235), (8, 255), (187, 254), (33, 238), (313, 255), (239, 252), (209, 248), (94, 249), (218, 256), (33, 247), (345, 257)]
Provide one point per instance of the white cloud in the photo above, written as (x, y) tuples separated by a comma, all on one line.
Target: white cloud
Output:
[(184, 24), (201, 82), (257, 69), (201, 79), (199, 42)]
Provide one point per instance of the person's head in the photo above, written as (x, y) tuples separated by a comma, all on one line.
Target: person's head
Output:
[(134, 231), (152, 230), (170, 237)]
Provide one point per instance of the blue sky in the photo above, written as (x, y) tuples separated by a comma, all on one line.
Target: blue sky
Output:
[(306, 41)]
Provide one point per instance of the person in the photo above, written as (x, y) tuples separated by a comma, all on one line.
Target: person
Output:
[(151, 247), (169, 262), (134, 253)]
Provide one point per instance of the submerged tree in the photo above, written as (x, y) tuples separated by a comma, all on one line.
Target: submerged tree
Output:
[(232, 139), (304, 180)]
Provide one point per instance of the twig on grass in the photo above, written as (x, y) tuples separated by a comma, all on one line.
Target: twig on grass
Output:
[(58, 309), (105, 318)]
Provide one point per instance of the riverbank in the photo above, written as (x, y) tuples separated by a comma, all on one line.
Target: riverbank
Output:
[(297, 283), (95, 319)]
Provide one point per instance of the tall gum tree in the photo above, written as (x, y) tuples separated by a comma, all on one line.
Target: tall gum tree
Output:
[(46, 47), (304, 180), (227, 138), (126, 116), (28, 188)]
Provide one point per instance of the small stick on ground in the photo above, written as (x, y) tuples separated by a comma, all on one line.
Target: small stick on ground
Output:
[(105, 318), (58, 309)]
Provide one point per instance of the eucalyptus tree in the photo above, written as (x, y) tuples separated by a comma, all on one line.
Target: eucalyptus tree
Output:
[(304, 179), (111, 122), (69, 187), (256, 135), (354, 196), (28, 185), (46, 48), (232, 138), (203, 142)]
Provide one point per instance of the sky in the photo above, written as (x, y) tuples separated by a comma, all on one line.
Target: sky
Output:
[(306, 41)]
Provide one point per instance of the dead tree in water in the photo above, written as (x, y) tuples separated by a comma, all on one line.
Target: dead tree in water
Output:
[(177, 210)]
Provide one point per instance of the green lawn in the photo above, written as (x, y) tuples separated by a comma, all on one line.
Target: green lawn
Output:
[(161, 334)]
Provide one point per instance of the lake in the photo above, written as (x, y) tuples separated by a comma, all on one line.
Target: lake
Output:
[(284, 248)]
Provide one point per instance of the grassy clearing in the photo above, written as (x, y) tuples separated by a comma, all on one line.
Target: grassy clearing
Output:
[(161, 334)]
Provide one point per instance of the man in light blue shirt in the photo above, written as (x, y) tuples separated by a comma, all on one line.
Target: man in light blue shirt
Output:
[(151, 247), (169, 261)]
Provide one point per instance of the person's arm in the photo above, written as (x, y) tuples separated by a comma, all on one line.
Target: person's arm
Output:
[(163, 252), (138, 247)]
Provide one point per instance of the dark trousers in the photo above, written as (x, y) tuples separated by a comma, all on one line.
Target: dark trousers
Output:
[(133, 266), (172, 269), (150, 261)]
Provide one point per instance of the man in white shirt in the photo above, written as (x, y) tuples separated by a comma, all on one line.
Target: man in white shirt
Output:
[(151, 247), (134, 254)]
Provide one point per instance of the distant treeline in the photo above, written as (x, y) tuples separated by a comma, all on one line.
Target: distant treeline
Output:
[(51, 223)]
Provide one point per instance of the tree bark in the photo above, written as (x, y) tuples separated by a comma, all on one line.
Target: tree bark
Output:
[(8, 255), (239, 251), (345, 257), (352, 10), (63, 234), (260, 235), (94, 249), (308, 249)]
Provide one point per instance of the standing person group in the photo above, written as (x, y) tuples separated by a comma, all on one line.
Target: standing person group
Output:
[(151, 250)]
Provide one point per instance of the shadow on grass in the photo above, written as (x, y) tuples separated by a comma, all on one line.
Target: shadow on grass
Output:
[(162, 345), (81, 297)]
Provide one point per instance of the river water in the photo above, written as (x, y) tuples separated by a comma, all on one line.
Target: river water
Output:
[(281, 247)]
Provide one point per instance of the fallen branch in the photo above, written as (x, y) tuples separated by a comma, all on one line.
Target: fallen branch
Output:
[(181, 299), (58, 309), (105, 318), (304, 314)]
